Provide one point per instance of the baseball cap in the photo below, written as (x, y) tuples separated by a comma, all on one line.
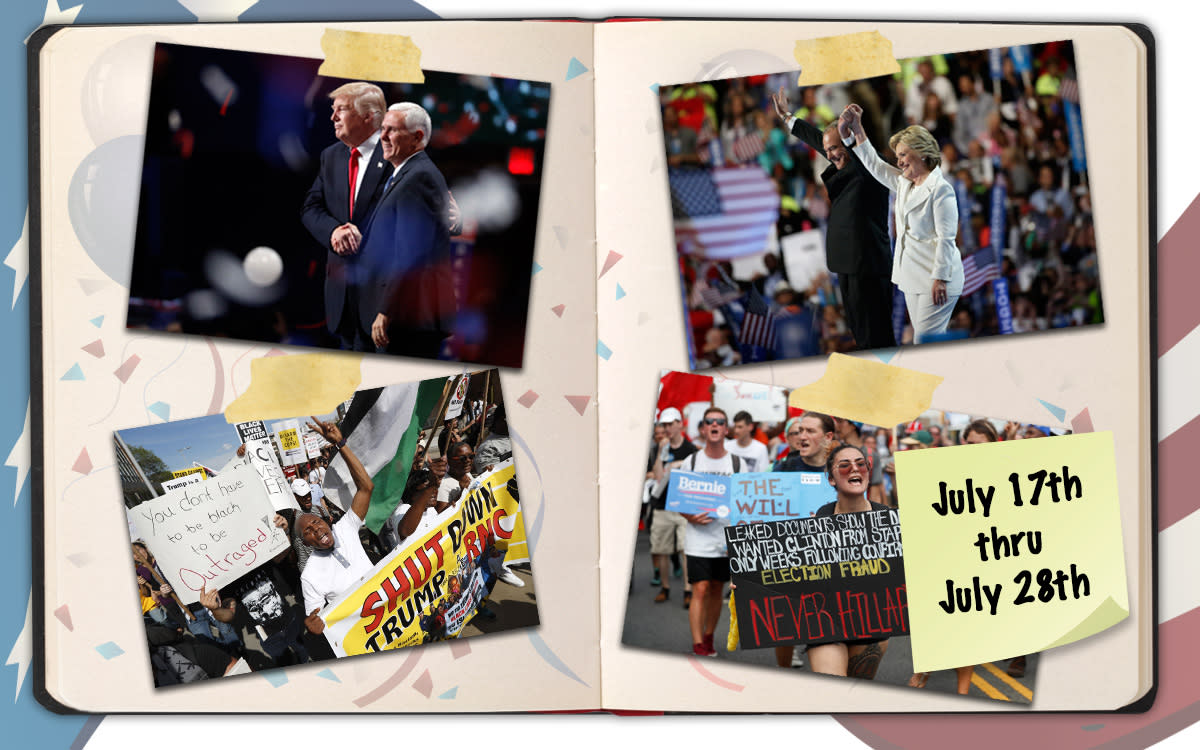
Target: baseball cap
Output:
[(670, 414), (300, 487)]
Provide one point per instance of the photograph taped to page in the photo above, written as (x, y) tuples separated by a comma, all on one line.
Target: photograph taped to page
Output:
[(391, 522), (793, 244), (258, 221), (808, 517)]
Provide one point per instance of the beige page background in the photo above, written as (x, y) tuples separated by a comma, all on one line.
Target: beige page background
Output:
[(1103, 368), (94, 90)]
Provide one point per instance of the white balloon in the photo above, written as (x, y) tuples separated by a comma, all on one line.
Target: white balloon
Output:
[(263, 266)]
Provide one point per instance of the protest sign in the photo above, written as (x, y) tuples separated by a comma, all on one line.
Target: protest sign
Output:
[(183, 481), (199, 470), (312, 445), (1017, 543), (764, 403), (458, 398), (429, 589), (209, 534), (251, 431), (819, 580), (291, 448), (261, 455), (749, 497)]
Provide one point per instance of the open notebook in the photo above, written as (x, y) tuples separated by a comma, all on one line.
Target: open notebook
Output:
[(604, 319)]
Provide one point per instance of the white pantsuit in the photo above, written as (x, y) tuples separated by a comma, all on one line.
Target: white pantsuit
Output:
[(926, 226)]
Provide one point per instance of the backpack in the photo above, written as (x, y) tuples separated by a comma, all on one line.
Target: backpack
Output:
[(737, 462)]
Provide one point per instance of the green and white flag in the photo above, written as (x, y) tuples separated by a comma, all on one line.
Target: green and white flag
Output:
[(382, 427)]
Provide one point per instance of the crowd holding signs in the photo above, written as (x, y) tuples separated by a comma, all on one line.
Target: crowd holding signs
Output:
[(395, 535)]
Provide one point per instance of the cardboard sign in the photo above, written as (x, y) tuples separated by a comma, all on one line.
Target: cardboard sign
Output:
[(819, 580), (209, 534), (188, 472), (251, 431), (174, 484), (291, 448), (261, 455)]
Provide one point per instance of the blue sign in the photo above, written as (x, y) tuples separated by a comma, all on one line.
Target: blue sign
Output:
[(1075, 135), (1003, 305), (1021, 59), (994, 64), (999, 218), (749, 497)]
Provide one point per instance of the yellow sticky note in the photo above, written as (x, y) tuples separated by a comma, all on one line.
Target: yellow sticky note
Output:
[(370, 57), (866, 391), (1032, 558), (849, 57), (298, 385)]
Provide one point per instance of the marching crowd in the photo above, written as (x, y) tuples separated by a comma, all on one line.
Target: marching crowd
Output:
[(857, 459), (269, 617)]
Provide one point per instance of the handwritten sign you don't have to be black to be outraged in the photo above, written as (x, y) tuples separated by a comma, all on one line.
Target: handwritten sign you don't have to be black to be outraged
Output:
[(208, 534), (819, 580)]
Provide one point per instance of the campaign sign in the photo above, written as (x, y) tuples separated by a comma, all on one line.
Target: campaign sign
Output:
[(774, 496), (690, 492), (819, 580)]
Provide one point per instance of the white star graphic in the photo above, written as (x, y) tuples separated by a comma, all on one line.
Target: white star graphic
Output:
[(18, 260), (18, 457), (217, 10), (56, 15)]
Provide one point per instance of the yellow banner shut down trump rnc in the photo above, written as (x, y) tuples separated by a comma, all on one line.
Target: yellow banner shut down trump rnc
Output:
[(429, 589)]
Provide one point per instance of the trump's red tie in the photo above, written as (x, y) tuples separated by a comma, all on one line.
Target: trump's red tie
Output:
[(353, 178)]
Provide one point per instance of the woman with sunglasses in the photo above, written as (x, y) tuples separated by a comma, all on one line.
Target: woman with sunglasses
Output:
[(849, 472)]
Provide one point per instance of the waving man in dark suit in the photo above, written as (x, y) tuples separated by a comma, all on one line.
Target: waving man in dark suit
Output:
[(408, 304), (341, 199), (857, 248)]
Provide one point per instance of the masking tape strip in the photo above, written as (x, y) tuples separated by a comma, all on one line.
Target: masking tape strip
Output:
[(298, 385), (849, 57), (868, 392), (370, 57)]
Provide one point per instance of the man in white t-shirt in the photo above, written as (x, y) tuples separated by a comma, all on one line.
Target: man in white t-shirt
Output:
[(338, 560), (743, 445), (704, 544)]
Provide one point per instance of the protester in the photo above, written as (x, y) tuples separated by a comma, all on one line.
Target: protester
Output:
[(808, 438), (752, 452), (668, 529)]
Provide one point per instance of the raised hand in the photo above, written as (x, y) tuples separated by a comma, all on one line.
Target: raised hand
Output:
[(780, 101)]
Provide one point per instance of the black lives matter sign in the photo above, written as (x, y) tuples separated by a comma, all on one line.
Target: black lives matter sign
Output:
[(819, 580)]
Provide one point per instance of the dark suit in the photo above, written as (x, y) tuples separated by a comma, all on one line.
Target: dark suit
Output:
[(327, 207), (856, 244), (406, 252)]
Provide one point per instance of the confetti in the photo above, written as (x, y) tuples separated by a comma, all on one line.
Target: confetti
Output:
[(126, 369), (561, 234), (83, 464), (424, 684), (160, 409), (91, 286), (1059, 413), (109, 650), (603, 350), (558, 310), (526, 400), (275, 676), (450, 694), (328, 675), (64, 616), (96, 348), (74, 373), (609, 262), (1082, 422), (460, 648), (620, 292), (536, 267), (886, 355), (575, 69), (579, 402), (97, 321)]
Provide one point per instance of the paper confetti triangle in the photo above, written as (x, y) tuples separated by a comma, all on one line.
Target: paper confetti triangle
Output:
[(450, 694), (328, 675), (536, 267), (525, 400), (575, 68), (1059, 413), (127, 367), (91, 286), (1082, 422), (96, 348), (79, 559), (275, 676), (609, 262), (653, 87), (579, 402), (109, 650), (558, 310), (886, 355), (83, 464), (160, 409), (458, 647), (64, 616), (603, 350), (74, 373), (620, 292), (561, 234), (97, 321), (424, 684), (643, 317)]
